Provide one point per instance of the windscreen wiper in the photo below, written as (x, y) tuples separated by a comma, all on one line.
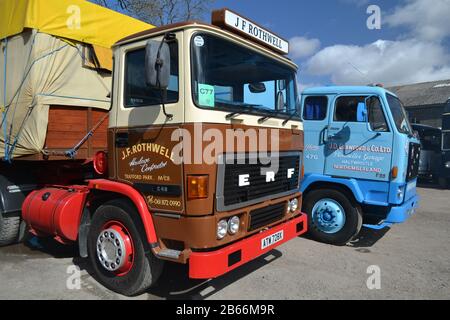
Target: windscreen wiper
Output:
[(249, 107), (296, 113)]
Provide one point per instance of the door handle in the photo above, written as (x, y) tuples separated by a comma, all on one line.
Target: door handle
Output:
[(121, 140), (334, 136)]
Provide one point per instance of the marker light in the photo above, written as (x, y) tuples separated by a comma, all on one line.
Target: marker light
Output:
[(100, 163), (197, 187), (394, 173)]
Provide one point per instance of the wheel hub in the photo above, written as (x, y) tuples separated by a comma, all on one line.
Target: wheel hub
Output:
[(115, 249), (329, 216)]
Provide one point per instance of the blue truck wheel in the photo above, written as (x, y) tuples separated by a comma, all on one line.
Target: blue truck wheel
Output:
[(334, 217), (328, 215)]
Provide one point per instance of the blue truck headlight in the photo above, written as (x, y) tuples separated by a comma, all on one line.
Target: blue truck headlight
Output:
[(447, 165), (401, 192)]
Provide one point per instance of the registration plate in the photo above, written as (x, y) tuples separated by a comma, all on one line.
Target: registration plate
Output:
[(272, 239)]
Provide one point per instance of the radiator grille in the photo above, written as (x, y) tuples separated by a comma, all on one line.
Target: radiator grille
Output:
[(265, 216), (413, 161), (286, 179)]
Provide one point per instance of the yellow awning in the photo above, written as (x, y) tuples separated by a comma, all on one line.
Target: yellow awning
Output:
[(72, 19)]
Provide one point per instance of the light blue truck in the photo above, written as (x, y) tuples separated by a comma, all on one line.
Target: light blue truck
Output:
[(361, 161)]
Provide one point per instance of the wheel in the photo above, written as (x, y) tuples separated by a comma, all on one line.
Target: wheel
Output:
[(9, 230), (121, 260), (332, 217)]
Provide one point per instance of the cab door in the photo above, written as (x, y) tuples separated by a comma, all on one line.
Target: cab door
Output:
[(315, 122), (359, 141)]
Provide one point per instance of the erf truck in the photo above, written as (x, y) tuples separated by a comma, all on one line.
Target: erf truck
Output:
[(203, 159), (361, 161)]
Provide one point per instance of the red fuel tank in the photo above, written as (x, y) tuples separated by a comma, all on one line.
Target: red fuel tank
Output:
[(55, 211)]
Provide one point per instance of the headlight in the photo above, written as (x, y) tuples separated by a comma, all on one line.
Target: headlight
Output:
[(222, 228), (293, 205), (233, 225), (400, 192), (447, 165)]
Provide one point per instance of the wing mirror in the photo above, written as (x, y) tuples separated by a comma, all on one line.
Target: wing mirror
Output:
[(157, 64), (361, 113), (157, 67), (257, 87)]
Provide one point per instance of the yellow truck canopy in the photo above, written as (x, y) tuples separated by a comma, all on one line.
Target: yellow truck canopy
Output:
[(45, 61), (72, 19)]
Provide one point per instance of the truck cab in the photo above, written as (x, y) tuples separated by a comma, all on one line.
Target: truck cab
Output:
[(361, 161), (430, 155), (444, 177), (203, 160)]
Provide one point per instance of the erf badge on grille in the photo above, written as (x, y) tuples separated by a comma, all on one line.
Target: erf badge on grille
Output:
[(244, 179)]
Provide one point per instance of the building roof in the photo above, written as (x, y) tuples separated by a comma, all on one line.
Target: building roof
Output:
[(77, 20), (420, 94)]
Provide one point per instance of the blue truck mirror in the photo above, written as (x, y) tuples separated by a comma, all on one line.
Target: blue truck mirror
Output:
[(362, 112)]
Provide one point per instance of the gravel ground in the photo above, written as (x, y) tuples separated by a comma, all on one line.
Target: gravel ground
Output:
[(413, 259)]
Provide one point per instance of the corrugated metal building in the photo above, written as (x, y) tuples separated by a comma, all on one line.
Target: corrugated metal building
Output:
[(425, 102)]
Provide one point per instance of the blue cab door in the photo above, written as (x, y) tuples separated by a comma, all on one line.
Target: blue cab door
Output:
[(359, 144)]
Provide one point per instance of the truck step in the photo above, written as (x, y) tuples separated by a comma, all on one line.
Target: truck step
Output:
[(170, 254)]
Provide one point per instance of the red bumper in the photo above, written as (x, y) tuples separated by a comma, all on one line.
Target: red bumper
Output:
[(207, 265)]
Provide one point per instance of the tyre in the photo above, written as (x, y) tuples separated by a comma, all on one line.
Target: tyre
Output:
[(332, 217), (120, 258), (9, 230)]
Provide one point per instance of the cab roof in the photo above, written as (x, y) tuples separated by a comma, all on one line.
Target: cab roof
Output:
[(335, 90)]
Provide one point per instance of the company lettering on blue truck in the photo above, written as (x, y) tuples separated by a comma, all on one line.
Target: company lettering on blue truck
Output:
[(361, 161)]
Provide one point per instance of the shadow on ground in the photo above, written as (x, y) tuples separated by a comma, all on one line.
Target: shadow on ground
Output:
[(175, 284), (367, 238)]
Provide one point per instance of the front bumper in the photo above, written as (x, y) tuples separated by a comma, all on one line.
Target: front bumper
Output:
[(398, 214), (207, 265)]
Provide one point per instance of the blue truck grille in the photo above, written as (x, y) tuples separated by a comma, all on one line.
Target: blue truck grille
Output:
[(413, 161)]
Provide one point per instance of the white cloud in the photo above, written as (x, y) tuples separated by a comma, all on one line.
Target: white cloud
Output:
[(303, 86), (419, 56), (426, 20), (389, 62), (301, 47)]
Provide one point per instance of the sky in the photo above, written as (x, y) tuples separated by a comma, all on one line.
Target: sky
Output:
[(332, 45)]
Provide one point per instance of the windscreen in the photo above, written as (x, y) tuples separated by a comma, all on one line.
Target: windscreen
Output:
[(399, 114), (229, 76)]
